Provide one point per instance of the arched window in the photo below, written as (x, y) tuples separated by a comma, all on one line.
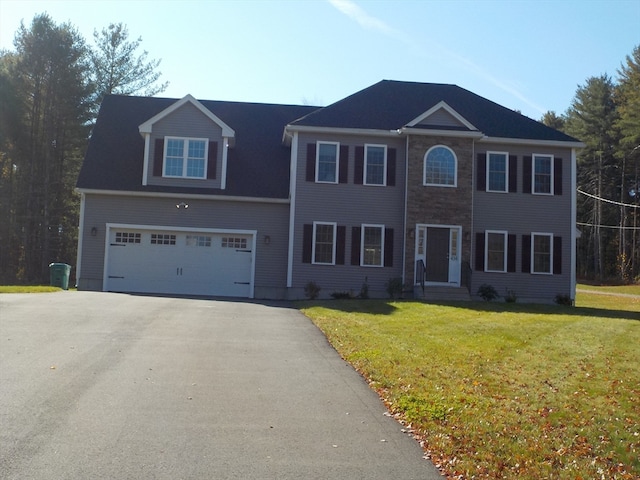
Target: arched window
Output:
[(440, 167)]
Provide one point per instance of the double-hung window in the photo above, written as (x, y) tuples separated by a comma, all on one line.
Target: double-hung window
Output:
[(495, 251), (327, 160), (375, 165), (324, 243), (542, 253), (372, 241), (185, 157), (542, 174), (497, 171), (440, 167)]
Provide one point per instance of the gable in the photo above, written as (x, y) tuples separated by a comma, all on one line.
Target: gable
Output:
[(442, 117)]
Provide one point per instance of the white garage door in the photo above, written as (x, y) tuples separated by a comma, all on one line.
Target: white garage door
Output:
[(178, 262)]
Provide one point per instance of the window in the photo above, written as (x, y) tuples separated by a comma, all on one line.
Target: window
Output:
[(198, 241), (497, 171), (495, 251), (234, 242), (543, 174), (185, 157), (372, 245), (541, 252), (375, 165), (324, 241), (327, 162), (162, 239), (440, 167), (127, 237)]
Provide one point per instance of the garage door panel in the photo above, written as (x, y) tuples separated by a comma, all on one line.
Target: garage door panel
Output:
[(200, 263)]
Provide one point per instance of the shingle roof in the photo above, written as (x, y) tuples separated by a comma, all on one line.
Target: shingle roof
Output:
[(390, 105), (258, 164)]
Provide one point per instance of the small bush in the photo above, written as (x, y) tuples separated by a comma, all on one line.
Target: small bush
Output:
[(394, 287), (487, 292), (311, 290), (563, 299), (364, 290), (341, 295), (510, 297)]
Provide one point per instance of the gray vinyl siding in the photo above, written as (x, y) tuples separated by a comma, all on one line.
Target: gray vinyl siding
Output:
[(267, 219), (188, 122), (521, 214), (349, 205)]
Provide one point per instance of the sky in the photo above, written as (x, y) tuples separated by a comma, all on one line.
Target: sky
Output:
[(529, 56)]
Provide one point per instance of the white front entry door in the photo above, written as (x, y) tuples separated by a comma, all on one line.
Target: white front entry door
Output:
[(438, 248)]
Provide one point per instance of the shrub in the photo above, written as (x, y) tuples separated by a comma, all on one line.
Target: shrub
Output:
[(311, 290), (341, 295), (487, 292), (510, 297), (563, 299), (394, 287), (364, 290)]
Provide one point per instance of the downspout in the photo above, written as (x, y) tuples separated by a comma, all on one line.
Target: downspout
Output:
[(223, 174), (80, 239), (293, 170), (406, 202), (574, 240)]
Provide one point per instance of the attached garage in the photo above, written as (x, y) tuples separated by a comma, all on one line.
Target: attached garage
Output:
[(165, 260)]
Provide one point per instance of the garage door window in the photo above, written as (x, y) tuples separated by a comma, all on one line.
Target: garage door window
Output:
[(127, 237), (234, 242), (162, 239), (198, 241)]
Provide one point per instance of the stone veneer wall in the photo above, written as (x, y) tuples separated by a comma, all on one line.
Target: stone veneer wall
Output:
[(438, 205)]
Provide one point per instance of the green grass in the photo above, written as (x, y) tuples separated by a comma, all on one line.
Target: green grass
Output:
[(27, 289), (625, 289), (504, 390)]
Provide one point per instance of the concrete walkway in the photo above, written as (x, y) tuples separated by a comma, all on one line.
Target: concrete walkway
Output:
[(112, 386)]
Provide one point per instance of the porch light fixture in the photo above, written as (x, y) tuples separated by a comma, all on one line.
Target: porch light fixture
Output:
[(94, 231), (182, 205), (267, 239)]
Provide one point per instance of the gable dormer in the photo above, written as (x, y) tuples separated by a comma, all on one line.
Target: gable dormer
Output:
[(441, 117), (186, 145)]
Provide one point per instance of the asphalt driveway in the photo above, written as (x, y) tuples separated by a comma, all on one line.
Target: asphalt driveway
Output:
[(113, 386)]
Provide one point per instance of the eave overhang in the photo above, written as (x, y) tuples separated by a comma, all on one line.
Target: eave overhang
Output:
[(185, 196)]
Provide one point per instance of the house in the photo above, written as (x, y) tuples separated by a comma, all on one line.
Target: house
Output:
[(429, 184)]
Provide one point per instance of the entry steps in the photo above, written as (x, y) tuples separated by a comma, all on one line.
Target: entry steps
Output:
[(438, 293)]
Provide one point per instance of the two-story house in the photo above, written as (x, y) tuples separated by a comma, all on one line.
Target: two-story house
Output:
[(426, 183)]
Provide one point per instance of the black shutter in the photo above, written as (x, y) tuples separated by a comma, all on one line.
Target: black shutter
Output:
[(513, 174), (526, 174), (311, 162), (479, 251), (212, 160), (526, 254), (391, 167), (343, 169), (482, 172), (358, 167), (557, 255), (307, 242), (341, 238), (511, 253), (388, 247), (158, 156), (557, 176), (355, 246)]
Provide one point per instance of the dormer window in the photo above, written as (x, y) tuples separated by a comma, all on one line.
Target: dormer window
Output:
[(185, 157)]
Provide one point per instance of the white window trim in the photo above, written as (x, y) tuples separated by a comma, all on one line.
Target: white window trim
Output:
[(384, 167), (382, 231), (337, 172), (533, 263), (455, 169), (533, 173), (185, 155), (506, 172), (505, 236), (313, 244)]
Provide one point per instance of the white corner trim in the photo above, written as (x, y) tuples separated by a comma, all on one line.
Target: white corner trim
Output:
[(80, 239), (145, 163), (292, 206), (223, 172)]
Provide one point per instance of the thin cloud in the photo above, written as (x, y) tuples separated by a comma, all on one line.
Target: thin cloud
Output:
[(369, 22)]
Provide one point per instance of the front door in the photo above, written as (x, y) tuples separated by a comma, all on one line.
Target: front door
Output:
[(438, 248)]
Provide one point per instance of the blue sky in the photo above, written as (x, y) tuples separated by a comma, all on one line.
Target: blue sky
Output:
[(526, 55)]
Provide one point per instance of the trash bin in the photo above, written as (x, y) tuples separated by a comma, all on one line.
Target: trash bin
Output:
[(59, 275)]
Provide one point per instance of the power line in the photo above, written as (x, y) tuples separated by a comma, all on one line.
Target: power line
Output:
[(616, 227), (630, 205)]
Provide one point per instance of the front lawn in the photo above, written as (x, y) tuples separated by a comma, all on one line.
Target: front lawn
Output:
[(28, 289), (497, 390)]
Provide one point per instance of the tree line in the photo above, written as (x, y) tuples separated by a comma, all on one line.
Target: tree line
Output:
[(51, 86), (52, 83), (605, 115)]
